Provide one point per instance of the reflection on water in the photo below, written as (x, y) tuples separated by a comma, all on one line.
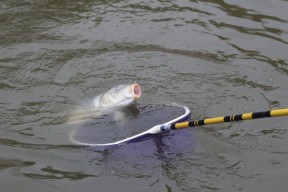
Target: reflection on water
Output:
[(216, 57)]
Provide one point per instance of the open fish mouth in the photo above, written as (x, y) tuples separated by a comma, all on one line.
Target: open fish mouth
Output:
[(136, 90)]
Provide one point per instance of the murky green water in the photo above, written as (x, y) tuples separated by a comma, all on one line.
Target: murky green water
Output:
[(216, 57)]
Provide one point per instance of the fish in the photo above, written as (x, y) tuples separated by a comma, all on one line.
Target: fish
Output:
[(111, 101), (119, 96)]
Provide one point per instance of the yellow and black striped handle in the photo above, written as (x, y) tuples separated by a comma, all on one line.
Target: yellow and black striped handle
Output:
[(244, 116)]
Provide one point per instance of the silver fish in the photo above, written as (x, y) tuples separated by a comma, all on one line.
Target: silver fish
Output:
[(109, 102), (119, 96)]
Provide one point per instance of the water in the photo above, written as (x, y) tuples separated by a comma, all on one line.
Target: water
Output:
[(216, 57)]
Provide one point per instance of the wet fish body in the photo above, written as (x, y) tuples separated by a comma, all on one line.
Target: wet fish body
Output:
[(119, 96), (108, 102)]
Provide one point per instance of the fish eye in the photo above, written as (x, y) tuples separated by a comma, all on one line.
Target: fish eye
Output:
[(117, 88)]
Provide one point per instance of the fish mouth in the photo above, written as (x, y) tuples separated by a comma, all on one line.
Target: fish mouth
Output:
[(136, 90)]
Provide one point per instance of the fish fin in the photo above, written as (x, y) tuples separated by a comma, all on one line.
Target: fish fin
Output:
[(119, 117)]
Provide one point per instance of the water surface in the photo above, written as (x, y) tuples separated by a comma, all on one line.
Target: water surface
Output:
[(216, 57)]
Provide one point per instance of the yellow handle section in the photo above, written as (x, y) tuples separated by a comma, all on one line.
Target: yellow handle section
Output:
[(182, 125), (279, 112), (214, 120), (247, 116)]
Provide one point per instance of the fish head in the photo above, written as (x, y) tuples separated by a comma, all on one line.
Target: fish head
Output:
[(121, 95)]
